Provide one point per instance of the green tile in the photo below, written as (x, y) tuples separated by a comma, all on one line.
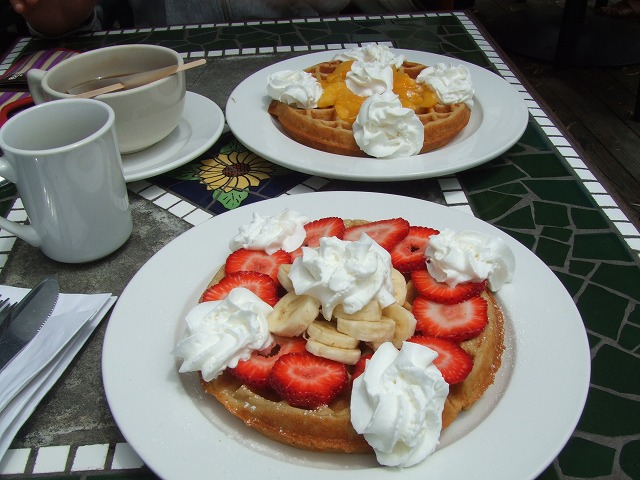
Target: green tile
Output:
[(630, 459), (560, 234), (516, 149), (581, 268), (490, 175), (550, 214), (552, 252), (490, 205), (616, 369), (277, 28), (401, 34), (593, 340), (291, 39), (561, 191), (477, 58), (602, 310), (572, 283), (462, 42), (256, 39), (603, 246), (453, 29), (223, 44), (541, 165), (629, 337), (549, 474), (526, 239), (583, 458), (621, 278), (520, 219), (511, 189), (609, 414), (588, 219), (634, 316), (533, 137)]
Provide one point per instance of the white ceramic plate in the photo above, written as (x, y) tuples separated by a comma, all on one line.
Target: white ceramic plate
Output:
[(498, 119), (514, 431), (200, 126)]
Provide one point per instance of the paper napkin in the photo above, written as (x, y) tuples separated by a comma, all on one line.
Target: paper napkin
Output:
[(31, 374)]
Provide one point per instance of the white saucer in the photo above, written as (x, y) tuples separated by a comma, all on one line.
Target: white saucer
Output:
[(200, 126)]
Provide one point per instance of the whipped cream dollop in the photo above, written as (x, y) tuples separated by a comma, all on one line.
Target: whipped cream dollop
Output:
[(451, 84), (294, 87), (367, 78), (221, 333), (371, 71), (344, 272), (468, 256), (397, 403), (271, 233), (371, 53), (386, 129)]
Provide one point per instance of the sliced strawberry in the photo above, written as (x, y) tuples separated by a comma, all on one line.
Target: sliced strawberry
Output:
[(457, 322), (453, 362), (440, 292), (256, 370), (358, 368), (259, 283), (244, 260), (323, 227), (306, 381), (387, 233), (408, 255)]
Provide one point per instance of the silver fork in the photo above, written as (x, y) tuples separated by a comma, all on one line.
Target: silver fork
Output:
[(5, 312)]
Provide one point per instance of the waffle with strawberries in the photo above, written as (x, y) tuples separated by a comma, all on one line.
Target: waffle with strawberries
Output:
[(329, 127), (299, 392)]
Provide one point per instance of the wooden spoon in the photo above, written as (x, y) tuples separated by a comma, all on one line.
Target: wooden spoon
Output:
[(90, 89)]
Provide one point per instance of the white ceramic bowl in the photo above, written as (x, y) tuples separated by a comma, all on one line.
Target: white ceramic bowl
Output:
[(144, 115)]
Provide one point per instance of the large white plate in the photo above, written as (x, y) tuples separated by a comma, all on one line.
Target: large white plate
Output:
[(514, 431), (498, 119), (200, 126)]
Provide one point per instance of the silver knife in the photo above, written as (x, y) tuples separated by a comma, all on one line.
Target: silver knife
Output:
[(27, 318)]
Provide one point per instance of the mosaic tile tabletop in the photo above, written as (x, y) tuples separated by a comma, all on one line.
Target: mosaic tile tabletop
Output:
[(541, 192)]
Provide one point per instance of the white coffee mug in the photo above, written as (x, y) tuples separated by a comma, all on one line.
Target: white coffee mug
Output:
[(144, 115), (63, 158)]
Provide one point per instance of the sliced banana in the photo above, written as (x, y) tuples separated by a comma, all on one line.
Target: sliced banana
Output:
[(348, 356), (375, 345), (404, 320), (325, 332), (412, 293), (371, 312), (376, 332), (293, 314), (399, 286), (283, 277)]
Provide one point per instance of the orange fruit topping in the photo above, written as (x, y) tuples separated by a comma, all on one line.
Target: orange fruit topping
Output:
[(412, 94), (336, 94)]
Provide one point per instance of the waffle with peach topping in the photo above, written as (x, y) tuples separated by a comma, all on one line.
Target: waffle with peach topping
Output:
[(464, 324), (329, 127)]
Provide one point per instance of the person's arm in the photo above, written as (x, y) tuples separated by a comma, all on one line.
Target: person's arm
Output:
[(54, 18)]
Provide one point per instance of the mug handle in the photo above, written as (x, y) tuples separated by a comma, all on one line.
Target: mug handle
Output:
[(25, 232), (34, 80)]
